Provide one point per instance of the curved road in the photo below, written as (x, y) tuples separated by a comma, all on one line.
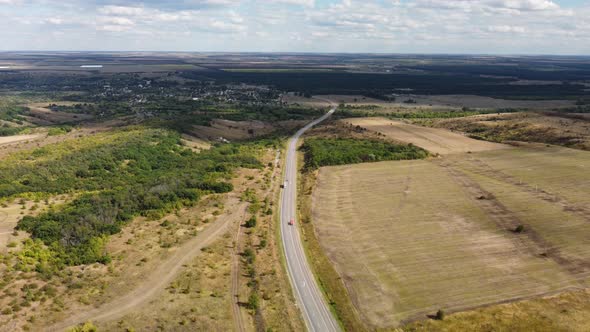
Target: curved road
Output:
[(310, 299)]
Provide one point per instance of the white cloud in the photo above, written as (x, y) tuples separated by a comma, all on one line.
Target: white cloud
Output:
[(54, 20), (506, 29), (307, 3), (280, 25), (526, 5), (116, 20), (122, 10)]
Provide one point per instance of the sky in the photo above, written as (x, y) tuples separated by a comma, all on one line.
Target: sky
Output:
[(330, 26)]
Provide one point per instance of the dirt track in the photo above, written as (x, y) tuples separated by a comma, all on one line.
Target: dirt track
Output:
[(18, 138), (432, 139), (161, 277)]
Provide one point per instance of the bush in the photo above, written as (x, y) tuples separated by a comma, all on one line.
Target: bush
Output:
[(250, 255), (250, 223), (253, 301), (86, 327), (519, 229)]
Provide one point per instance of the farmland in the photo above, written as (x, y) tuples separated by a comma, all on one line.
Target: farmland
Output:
[(140, 190), (418, 236), (559, 128), (432, 139)]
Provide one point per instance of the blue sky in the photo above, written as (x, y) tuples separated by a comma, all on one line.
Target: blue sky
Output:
[(375, 26)]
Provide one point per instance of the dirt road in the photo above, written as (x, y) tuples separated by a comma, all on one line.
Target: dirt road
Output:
[(235, 281), (18, 138), (161, 277)]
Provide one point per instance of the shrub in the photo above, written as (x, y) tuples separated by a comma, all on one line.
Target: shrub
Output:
[(519, 229), (253, 301), (251, 223), (250, 255), (86, 327), (440, 314)]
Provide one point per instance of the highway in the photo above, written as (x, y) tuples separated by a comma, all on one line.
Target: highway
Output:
[(310, 300)]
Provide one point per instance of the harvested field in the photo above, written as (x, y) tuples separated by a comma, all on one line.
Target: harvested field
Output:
[(566, 129), (472, 101), (41, 115), (565, 312), (432, 139), (411, 237), (433, 101)]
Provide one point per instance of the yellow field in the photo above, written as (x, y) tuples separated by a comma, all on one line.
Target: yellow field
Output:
[(411, 237), (435, 140)]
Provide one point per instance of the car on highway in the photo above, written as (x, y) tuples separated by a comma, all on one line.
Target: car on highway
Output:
[(292, 222)]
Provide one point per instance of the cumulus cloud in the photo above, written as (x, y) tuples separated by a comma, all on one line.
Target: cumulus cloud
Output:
[(526, 5), (338, 25)]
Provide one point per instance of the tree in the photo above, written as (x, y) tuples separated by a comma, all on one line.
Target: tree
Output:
[(440, 314)]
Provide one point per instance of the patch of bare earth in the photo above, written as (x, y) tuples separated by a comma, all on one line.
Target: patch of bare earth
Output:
[(42, 139), (40, 114), (432, 139), (220, 129), (6, 140)]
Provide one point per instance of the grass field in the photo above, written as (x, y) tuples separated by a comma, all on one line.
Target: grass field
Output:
[(411, 237), (435, 140)]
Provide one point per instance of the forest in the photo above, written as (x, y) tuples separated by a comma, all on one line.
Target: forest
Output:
[(381, 85), (320, 152), (113, 178)]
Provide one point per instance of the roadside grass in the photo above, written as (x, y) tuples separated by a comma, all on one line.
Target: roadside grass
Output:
[(264, 290), (328, 278), (199, 299), (411, 237)]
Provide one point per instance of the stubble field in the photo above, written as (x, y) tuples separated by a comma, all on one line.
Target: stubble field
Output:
[(435, 140), (411, 237)]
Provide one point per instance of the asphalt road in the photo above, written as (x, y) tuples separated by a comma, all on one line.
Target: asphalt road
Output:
[(310, 299)]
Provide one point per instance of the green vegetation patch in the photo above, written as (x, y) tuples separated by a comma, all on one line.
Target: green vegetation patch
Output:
[(115, 177), (339, 151), (350, 111)]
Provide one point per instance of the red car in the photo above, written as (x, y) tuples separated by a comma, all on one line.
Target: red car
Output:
[(291, 222)]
